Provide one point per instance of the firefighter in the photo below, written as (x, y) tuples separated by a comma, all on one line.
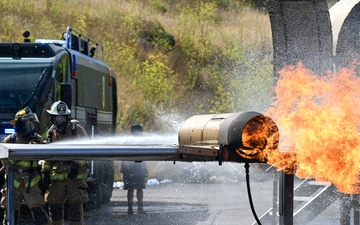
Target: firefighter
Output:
[(134, 174), (26, 177), (65, 179)]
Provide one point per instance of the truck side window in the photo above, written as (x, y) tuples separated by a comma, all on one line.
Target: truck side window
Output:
[(60, 75)]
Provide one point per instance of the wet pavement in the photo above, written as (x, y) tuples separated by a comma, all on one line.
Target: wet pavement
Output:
[(178, 203), (201, 204), (223, 201)]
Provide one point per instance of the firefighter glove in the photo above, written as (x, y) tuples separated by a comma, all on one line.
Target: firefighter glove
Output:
[(74, 170)]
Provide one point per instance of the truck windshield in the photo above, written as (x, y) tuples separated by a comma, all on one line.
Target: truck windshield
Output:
[(18, 79)]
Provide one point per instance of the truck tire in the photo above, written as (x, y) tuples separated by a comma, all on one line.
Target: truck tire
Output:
[(108, 182), (101, 184), (104, 174)]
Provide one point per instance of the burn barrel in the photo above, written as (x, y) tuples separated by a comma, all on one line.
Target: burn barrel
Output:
[(239, 137)]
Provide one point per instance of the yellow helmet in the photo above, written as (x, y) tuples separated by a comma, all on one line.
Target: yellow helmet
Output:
[(24, 116), (24, 122)]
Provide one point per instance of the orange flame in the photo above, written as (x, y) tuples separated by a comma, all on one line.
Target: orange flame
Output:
[(260, 135), (319, 123)]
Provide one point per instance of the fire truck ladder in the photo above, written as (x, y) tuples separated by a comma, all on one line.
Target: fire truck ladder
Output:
[(79, 42), (310, 198)]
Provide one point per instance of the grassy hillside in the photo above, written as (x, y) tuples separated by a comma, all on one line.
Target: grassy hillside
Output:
[(173, 59)]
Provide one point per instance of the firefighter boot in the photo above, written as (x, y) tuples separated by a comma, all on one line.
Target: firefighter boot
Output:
[(16, 216), (40, 216), (76, 213), (56, 214)]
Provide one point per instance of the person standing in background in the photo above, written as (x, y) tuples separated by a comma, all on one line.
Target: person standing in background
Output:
[(134, 174)]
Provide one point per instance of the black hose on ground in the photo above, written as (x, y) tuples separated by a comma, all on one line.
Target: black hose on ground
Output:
[(249, 193)]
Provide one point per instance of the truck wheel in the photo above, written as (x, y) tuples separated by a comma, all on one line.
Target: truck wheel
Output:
[(108, 181), (99, 180), (100, 190)]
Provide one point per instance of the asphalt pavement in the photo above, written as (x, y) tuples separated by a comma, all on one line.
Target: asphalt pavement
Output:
[(221, 201), (179, 203)]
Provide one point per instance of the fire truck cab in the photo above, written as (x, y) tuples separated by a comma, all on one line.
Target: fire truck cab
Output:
[(72, 70)]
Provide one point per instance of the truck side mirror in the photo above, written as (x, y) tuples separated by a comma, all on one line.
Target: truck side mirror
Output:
[(66, 94)]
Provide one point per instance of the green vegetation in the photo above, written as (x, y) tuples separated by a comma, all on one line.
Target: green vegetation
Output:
[(173, 59)]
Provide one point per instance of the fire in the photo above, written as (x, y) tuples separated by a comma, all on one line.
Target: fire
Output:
[(319, 122), (259, 136)]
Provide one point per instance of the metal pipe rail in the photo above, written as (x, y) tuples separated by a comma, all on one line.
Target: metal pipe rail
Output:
[(90, 152), (78, 151)]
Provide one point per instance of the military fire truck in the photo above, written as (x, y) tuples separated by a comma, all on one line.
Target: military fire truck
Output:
[(72, 69)]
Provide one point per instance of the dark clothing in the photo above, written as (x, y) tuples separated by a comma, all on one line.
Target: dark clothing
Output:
[(134, 178), (134, 174)]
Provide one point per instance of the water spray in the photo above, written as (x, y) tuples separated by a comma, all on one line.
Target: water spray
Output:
[(244, 137)]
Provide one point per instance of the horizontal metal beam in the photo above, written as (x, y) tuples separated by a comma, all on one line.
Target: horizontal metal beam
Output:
[(90, 152)]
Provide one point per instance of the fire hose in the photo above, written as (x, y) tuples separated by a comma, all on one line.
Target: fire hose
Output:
[(249, 193)]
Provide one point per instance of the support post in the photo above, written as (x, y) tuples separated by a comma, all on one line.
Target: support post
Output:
[(356, 209), (275, 198), (286, 199), (345, 209), (10, 204)]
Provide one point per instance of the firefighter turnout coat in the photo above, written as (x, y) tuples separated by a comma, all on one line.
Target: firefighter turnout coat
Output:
[(26, 176), (60, 170)]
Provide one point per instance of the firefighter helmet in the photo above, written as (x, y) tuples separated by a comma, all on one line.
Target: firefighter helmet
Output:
[(24, 122), (24, 116), (59, 108)]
